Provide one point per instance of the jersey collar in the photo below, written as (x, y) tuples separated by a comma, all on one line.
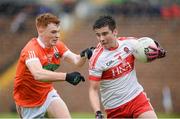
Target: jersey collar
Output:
[(39, 40), (114, 48)]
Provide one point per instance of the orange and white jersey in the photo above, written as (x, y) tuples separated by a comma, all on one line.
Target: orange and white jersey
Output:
[(29, 92), (115, 69)]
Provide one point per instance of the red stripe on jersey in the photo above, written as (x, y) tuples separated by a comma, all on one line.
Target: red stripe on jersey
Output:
[(120, 69), (94, 78), (95, 56), (126, 38), (122, 38)]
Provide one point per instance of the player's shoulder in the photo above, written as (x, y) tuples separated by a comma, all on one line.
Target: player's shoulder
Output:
[(30, 45), (97, 53), (61, 47), (60, 43), (126, 38)]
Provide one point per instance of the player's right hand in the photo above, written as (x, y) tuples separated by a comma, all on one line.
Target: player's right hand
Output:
[(99, 115), (74, 78)]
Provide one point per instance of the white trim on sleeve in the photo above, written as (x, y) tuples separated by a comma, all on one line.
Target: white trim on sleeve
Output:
[(68, 52), (32, 60)]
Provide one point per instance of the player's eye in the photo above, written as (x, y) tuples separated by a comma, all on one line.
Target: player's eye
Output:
[(104, 33), (98, 35), (53, 31)]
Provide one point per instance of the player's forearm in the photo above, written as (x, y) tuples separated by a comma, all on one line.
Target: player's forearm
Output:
[(94, 99), (75, 59), (80, 61), (49, 76)]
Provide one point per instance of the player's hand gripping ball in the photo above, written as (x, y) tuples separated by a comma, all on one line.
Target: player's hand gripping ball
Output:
[(147, 50)]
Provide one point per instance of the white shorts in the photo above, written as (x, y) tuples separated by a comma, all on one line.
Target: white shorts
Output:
[(38, 112)]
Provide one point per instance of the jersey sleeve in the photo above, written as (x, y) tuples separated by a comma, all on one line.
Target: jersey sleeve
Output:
[(132, 43), (126, 38), (95, 71), (29, 54)]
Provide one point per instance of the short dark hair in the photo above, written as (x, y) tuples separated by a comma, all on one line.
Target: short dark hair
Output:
[(103, 21)]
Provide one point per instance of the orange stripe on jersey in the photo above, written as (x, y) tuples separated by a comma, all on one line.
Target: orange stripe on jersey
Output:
[(119, 70)]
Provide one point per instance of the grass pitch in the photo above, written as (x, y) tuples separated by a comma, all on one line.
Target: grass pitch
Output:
[(87, 115)]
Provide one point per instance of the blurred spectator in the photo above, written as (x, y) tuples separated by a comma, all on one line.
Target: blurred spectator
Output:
[(67, 21), (85, 9), (9, 8), (67, 14), (18, 24), (43, 9), (171, 12), (155, 8), (115, 6), (1, 24), (167, 99), (133, 8), (175, 8), (68, 5)]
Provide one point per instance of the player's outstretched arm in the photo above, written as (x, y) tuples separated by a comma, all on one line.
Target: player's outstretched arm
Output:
[(80, 59), (43, 75)]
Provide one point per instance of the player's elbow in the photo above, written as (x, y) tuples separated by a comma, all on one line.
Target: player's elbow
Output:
[(38, 75)]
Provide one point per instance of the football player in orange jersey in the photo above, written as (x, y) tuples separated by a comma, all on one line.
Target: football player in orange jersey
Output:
[(34, 93)]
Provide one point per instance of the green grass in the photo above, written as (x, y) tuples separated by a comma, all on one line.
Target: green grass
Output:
[(82, 115), (8, 115), (172, 115), (87, 115), (74, 115)]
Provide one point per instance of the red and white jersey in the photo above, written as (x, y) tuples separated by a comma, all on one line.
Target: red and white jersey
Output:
[(115, 69)]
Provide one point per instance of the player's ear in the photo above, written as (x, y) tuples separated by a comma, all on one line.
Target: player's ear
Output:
[(40, 30), (115, 32)]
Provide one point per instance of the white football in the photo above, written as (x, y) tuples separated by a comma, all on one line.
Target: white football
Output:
[(141, 48)]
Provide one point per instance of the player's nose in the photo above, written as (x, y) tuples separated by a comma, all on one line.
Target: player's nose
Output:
[(101, 39), (57, 35)]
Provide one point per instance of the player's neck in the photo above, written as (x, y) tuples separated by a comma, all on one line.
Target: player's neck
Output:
[(114, 46), (42, 43)]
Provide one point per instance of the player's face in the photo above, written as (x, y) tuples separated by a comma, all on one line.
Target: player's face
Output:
[(106, 37), (51, 34)]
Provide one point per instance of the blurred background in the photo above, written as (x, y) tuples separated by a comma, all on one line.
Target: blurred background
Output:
[(158, 19)]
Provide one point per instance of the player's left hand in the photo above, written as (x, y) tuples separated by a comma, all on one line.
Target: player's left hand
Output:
[(87, 52), (74, 78), (157, 52)]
